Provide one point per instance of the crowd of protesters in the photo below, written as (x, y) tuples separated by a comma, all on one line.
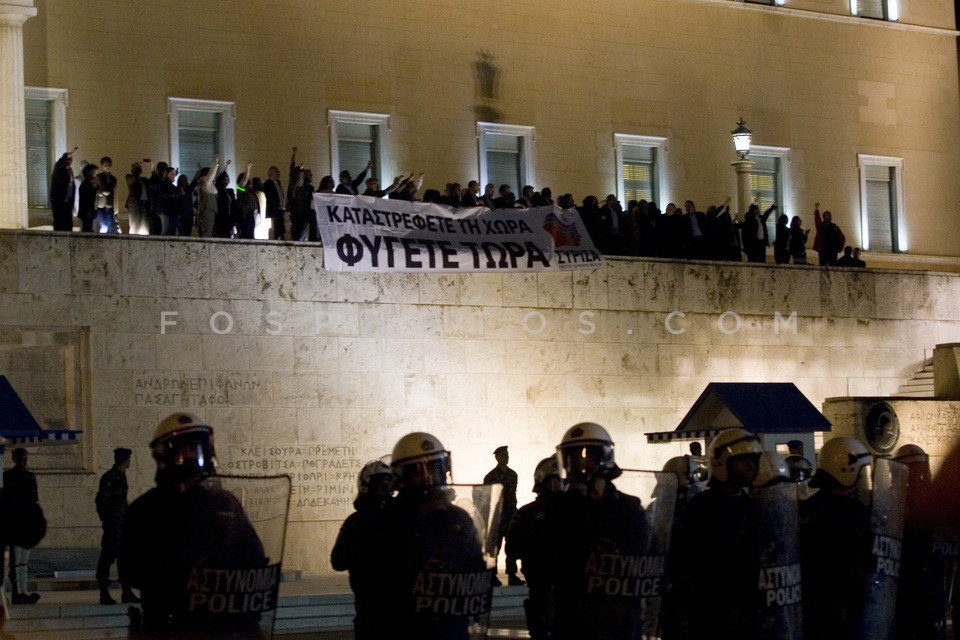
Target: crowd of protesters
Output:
[(163, 201)]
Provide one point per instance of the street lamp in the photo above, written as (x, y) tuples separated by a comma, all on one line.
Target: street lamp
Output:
[(741, 142), (741, 139)]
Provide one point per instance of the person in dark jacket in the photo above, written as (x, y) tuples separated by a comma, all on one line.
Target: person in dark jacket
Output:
[(87, 203), (352, 550), (62, 192), (528, 529), (24, 524), (111, 503), (349, 185), (185, 531)]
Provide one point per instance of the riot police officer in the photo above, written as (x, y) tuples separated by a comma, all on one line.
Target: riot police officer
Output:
[(922, 592), (600, 543), (835, 542), (352, 550), (715, 581), (179, 536), (530, 526), (434, 578)]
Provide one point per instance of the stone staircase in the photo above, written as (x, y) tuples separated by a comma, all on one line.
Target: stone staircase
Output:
[(921, 384)]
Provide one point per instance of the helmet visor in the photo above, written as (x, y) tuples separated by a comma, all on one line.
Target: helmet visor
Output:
[(579, 463), (184, 457), (433, 472)]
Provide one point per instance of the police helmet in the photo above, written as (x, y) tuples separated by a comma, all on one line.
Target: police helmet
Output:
[(546, 469), (419, 460), (911, 454), (918, 462), (842, 460), (684, 466), (375, 477), (800, 468), (730, 443), (182, 445), (586, 451), (772, 469)]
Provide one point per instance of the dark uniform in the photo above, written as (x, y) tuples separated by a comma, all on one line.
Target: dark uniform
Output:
[(508, 478), (715, 583), (434, 576), (354, 552), (597, 550), (529, 530), (24, 525), (112, 508), (835, 542), (175, 545)]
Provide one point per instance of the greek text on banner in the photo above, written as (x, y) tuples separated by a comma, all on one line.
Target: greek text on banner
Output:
[(362, 233)]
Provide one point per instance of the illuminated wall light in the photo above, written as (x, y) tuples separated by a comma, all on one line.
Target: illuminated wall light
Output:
[(893, 10), (780, 3), (854, 7)]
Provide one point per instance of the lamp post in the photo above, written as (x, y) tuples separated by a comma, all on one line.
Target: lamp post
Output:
[(741, 142)]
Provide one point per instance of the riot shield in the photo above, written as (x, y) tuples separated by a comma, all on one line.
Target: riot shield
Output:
[(946, 547), (484, 506), (657, 491), (248, 591), (775, 523), (887, 509), (453, 563)]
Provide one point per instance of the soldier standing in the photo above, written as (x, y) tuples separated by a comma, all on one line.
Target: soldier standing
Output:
[(24, 523), (111, 503), (504, 475)]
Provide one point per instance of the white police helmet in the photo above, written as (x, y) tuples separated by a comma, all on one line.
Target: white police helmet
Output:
[(419, 460), (182, 445), (684, 466), (372, 473), (842, 459), (546, 468), (586, 451), (728, 444), (772, 468)]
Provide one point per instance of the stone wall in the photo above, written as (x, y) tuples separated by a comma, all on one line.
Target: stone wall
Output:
[(313, 373)]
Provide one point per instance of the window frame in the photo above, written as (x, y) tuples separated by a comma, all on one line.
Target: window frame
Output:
[(228, 114), (526, 132), (381, 120), (899, 237), (891, 10), (59, 101), (784, 156), (660, 170)]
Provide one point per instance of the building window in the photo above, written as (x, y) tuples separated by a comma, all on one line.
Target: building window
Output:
[(200, 129), (640, 168), (46, 137), (356, 139), (882, 225), (771, 179), (878, 9), (506, 155)]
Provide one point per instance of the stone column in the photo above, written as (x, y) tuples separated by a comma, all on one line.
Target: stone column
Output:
[(744, 197), (13, 143)]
